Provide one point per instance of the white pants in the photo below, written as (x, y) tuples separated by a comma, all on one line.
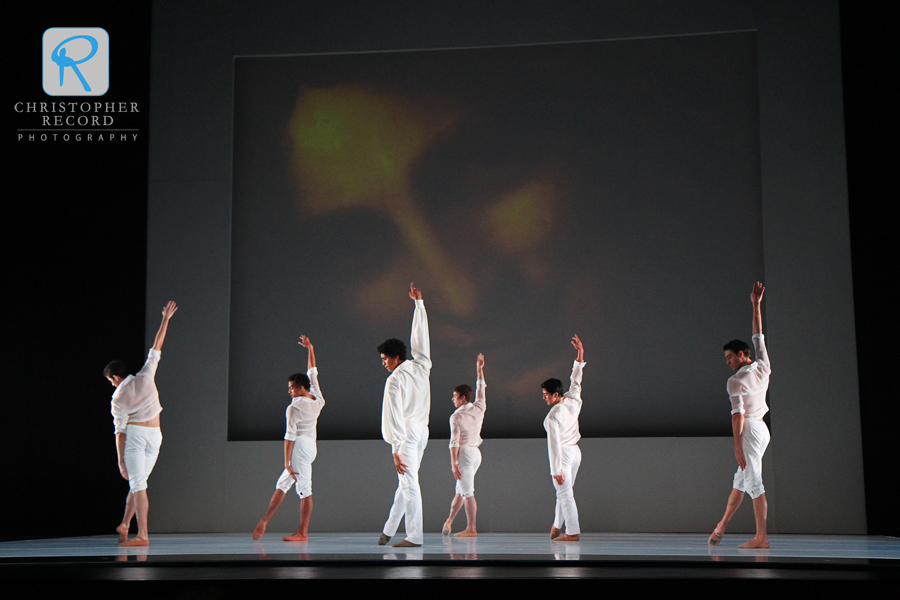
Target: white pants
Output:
[(141, 451), (566, 511), (754, 440), (302, 458), (469, 460), (408, 497)]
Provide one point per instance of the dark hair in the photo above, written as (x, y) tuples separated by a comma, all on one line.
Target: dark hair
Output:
[(300, 379), (464, 391), (116, 368), (553, 386), (737, 346), (393, 348)]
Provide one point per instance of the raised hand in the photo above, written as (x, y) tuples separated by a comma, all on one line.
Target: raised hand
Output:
[(167, 313), (414, 292), (311, 356), (579, 347), (169, 310), (757, 293)]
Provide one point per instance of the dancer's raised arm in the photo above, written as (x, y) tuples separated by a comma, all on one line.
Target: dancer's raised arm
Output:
[(419, 340), (578, 346), (167, 313), (311, 356), (756, 299)]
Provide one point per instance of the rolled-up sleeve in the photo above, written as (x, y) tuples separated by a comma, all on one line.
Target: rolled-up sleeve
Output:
[(149, 367), (454, 430), (736, 393), (762, 356), (575, 380), (292, 418), (480, 396), (120, 418), (314, 388)]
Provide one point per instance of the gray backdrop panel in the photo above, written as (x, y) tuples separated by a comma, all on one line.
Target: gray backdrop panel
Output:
[(814, 463)]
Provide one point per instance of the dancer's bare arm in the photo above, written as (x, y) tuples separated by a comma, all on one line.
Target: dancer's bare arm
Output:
[(579, 347), (120, 450), (756, 298), (737, 428), (288, 451), (167, 313), (311, 357)]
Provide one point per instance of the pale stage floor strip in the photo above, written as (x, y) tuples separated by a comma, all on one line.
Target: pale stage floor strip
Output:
[(487, 546)]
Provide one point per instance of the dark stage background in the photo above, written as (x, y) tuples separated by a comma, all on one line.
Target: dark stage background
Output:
[(77, 218)]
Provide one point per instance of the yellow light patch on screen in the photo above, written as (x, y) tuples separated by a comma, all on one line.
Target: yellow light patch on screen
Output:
[(355, 148), (521, 219)]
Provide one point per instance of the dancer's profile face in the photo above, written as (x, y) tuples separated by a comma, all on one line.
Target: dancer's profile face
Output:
[(551, 400), (458, 400), (295, 389), (390, 362), (736, 361), (115, 380)]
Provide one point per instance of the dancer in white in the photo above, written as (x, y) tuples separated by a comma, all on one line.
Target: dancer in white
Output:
[(465, 457), (135, 410), (747, 391), (562, 445), (404, 422), (302, 414)]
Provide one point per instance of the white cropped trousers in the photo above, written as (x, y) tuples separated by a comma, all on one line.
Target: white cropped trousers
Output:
[(141, 451), (469, 460), (754, 440), (301, 461)]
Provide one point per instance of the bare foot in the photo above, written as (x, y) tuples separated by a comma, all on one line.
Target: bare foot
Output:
[(446, 529), (466, 533), (296, 537), (715, 538), (756, 543), (136, 541), (406, 544), (554, 533), (122, 530), (384, 539), (260, 530), (566, 538)]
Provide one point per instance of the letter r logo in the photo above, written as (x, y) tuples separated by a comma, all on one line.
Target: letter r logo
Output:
[(75, 61)]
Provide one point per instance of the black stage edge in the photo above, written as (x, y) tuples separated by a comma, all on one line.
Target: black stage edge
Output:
[(209, 569)]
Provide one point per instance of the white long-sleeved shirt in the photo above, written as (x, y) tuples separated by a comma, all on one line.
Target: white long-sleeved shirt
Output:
[(407, 391), (136, 399), (466, 421), (747, 388), (562, 420), (302, 413)]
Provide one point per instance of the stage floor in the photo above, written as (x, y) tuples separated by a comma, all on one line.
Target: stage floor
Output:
[(349, 555)]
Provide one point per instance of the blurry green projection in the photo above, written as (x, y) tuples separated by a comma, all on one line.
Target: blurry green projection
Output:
[(356, 148)]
